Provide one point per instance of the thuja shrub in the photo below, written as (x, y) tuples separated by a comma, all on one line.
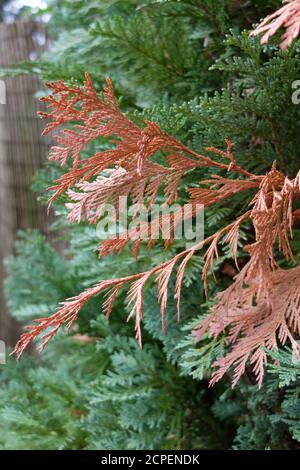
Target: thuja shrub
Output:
[(261, 306)]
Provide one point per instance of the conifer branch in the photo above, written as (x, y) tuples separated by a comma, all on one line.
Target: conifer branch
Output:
[(288, 17), (262, 306)]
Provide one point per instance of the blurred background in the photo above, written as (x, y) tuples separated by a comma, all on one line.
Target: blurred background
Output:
[(23, 38), (191, 67)]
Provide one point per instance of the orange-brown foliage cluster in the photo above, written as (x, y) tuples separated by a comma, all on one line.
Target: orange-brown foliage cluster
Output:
[(288, 17), (260, 308)]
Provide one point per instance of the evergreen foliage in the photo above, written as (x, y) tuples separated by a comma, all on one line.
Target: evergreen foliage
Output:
[(191, 67)]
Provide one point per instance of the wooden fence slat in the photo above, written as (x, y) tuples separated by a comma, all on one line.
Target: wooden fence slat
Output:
[(22, 150)]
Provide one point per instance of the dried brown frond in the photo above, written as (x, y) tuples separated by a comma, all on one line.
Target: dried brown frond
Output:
[(263, 303), (255, 318), (262, 306), (288, 17)]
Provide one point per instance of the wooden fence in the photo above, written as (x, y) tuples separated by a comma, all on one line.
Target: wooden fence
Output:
[(22, 149)]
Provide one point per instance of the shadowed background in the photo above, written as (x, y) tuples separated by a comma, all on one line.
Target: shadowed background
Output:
[(22, 149)]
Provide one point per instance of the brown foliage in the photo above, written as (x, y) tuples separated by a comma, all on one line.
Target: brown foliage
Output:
[(288, 17), (262, 305)]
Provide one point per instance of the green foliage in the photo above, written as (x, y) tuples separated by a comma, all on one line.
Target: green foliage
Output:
[(41, 406), (285, 366), (188, 66), (153, 406), (47, 282)]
